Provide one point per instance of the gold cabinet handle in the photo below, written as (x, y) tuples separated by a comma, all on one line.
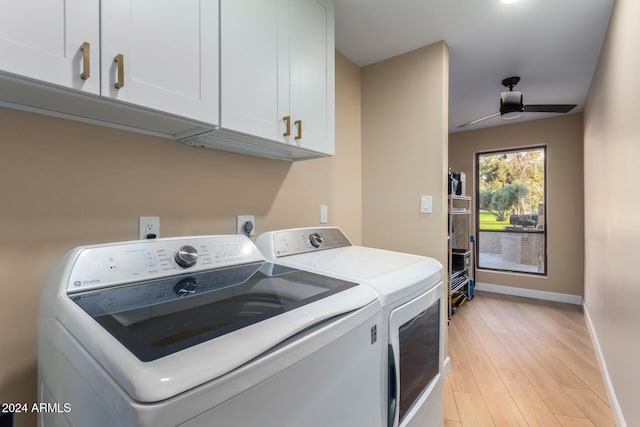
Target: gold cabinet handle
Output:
[(298, 123), (119, 59), (287, 121), (86, 67)]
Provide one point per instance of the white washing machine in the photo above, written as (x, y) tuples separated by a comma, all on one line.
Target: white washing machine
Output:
[(410, 289), (200, 331)]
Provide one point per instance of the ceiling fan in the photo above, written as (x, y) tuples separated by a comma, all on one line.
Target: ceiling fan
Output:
[(512, 105)]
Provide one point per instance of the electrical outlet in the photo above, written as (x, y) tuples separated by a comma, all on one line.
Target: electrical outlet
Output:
[(148, 227), (241, 221)]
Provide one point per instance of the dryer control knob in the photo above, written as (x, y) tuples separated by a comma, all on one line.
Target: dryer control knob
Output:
[(186, 256), (315, 239)]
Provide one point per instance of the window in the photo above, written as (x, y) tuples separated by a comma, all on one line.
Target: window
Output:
[(510, 206)]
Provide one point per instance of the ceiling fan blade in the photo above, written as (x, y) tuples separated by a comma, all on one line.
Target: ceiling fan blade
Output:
[(549, 108), (481, 119)]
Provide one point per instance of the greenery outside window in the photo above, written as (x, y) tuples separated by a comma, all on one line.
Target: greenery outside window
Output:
[(511, 210)]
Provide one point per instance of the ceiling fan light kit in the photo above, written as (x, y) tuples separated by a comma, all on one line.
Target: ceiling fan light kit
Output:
[(512, 105)]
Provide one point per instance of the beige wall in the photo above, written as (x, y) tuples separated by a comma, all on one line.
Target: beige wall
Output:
[(562, 136), (404, 151), (405, 104), (66, 183), (612, 197)]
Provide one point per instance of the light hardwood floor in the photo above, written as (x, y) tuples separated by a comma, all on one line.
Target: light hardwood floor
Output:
[(522, 362)]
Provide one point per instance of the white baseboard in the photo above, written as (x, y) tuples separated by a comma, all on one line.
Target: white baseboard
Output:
[(608, 385), (529, 293), (446, 366)]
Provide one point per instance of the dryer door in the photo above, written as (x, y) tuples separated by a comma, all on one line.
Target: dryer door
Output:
[(415, 354)]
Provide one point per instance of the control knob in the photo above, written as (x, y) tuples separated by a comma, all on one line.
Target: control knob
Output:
[(186, 256), (315, 239)]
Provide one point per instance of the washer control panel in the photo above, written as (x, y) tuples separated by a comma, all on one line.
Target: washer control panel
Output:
[(118, 263), (302, 240)]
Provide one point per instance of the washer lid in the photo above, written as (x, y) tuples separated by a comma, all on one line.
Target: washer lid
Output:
[(155, 351), (162, 317)]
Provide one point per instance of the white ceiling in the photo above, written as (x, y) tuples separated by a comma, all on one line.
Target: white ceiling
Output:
[(553, 45)]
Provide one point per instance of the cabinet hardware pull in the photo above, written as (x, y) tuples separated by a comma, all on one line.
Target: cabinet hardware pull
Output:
[(298, 123), (86, 70), (119, 59), (287, 121)]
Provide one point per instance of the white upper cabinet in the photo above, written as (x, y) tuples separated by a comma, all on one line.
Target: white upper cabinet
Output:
[(249, 67), (163, 55), (248, 76), (167, 62), (53, 41), (311, 73), (277, 71)]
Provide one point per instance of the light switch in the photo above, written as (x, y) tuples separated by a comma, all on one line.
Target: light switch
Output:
[(324, 214), (425, 204)]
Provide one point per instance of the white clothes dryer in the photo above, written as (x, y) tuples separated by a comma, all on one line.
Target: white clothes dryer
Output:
[(200, 331), (410, 288)]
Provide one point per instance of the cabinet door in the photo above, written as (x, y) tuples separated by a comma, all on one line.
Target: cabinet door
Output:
[(169, 55), (312, 86), (43, 39), (249, 68)]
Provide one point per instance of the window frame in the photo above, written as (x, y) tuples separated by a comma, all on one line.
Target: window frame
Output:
[(544, 232)]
